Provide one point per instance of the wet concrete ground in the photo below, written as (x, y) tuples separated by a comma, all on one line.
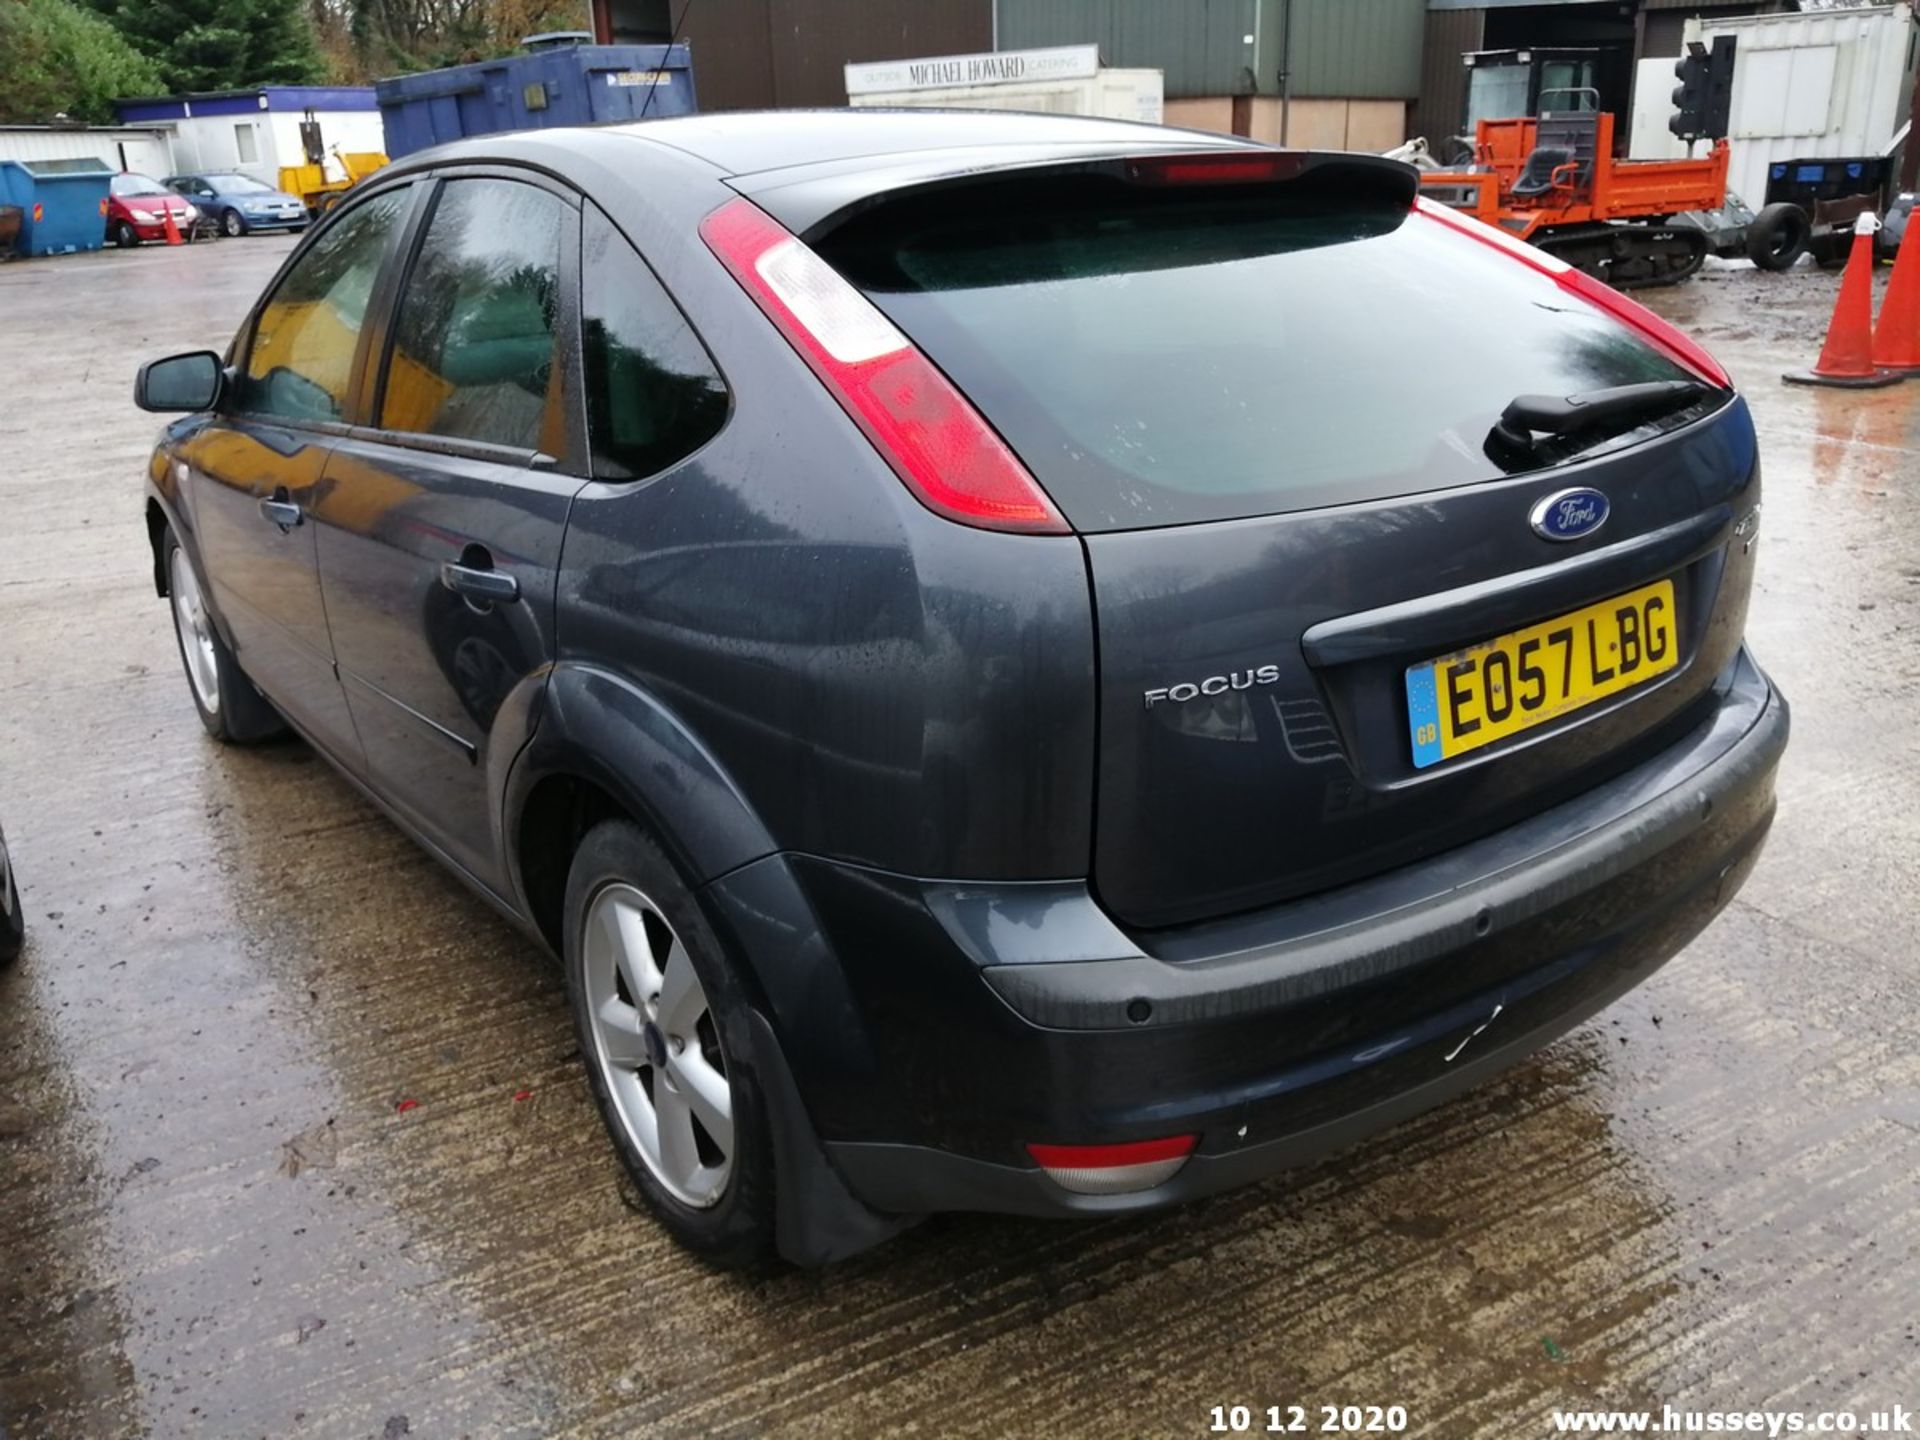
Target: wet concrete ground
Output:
[(216, 1220)]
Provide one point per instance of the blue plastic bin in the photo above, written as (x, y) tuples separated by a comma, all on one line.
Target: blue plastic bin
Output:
[(564, 85), (64, 203)]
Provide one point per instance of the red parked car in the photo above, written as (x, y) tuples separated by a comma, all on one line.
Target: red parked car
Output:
[(136, 210)]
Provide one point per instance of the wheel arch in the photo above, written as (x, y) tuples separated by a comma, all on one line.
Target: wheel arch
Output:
[(158, 523), (604, 748), (165, 513)]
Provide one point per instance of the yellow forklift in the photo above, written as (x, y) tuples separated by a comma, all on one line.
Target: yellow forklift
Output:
[(328, 173)]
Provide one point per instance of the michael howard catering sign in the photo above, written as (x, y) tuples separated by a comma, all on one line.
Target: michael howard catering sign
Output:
[(1005, 67)]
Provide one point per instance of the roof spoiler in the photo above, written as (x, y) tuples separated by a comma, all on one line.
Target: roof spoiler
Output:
[(814, 206)]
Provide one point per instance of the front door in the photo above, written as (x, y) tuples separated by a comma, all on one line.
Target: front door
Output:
[(255, 470), (439, 528)]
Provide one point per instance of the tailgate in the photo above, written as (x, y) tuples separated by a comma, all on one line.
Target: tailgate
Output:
[(1366, 584)]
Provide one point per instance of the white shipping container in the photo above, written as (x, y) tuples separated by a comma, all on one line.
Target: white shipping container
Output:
[(142, 149), (1833, 82), (1064, 80), (1110, 95)]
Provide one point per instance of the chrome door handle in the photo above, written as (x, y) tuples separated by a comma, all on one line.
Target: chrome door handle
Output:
[(483, 587), (283, 513)]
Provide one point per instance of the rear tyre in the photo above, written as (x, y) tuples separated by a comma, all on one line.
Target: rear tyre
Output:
[(663, 1026), (1778, 236), (124, 235), (229, 707)]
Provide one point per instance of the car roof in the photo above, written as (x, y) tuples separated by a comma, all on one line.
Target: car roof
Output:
[(752, 142)]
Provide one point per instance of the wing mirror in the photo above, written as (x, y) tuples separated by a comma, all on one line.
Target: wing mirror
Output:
[(187, 382)]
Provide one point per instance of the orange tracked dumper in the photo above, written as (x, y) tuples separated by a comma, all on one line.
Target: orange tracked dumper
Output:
[(1554, 182)]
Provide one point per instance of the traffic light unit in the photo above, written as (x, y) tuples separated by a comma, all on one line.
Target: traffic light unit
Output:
[(1703, 100)]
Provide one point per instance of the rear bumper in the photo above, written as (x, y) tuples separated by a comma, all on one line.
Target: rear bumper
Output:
[(934, 1030)]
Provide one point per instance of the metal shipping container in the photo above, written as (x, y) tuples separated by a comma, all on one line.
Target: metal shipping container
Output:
[(561, 85), (63, 203)]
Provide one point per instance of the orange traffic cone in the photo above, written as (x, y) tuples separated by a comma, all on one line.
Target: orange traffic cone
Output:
[(1896, 336), (173, 230), (1846, 360)]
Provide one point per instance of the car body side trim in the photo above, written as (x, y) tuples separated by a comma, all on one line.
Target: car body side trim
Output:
[(434, 727)]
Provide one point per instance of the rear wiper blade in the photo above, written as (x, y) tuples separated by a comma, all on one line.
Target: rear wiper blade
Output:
[(1531, 415)]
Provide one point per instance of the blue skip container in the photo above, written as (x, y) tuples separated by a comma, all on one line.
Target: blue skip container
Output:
[(63, 204), (557, 82)]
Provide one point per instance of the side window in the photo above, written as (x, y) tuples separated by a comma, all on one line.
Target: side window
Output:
[(473, 341), (300, 360), (653, 395)]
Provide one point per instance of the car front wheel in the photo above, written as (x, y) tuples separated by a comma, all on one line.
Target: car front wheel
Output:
[(663, 1027), (233, 224), (124, 235), (229, 707)]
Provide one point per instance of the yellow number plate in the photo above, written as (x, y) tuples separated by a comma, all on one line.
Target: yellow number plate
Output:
[(1514, 682)]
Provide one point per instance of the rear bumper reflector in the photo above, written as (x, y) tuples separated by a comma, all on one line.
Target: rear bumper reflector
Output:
[(1114, 1169)]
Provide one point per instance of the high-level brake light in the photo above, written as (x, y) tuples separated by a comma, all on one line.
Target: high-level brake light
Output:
[(1672, 342), (934, 439), (1226, 167), (1114, 1169)]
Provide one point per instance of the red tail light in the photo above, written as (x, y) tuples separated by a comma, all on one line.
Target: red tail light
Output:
[(1114, 1169), (1675, 344), (949, 457)]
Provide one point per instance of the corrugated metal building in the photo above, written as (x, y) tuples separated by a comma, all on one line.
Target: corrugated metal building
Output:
[(1325, 72), (781, 54), (1336, 73)]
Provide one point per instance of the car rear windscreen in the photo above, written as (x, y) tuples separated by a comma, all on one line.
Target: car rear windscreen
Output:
[(1162, 355)]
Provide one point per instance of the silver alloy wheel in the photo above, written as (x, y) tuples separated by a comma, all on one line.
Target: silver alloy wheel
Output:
[(196, 635), (657, 1043), (233, 224)]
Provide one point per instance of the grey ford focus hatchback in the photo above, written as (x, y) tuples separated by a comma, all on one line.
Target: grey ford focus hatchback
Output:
[(1022, 664)]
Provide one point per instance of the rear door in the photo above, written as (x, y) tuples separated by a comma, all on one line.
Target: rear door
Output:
[(1267, 403), (439, 531)]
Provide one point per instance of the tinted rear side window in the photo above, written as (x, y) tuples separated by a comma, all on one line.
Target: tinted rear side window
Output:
[(1164, 355), (653, 395)]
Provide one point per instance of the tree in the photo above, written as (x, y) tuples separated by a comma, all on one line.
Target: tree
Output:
[(221, 44), (405, 35), (57, 59)]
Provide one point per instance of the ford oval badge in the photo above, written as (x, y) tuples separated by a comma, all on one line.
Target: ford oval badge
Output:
[(1569, 514)]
